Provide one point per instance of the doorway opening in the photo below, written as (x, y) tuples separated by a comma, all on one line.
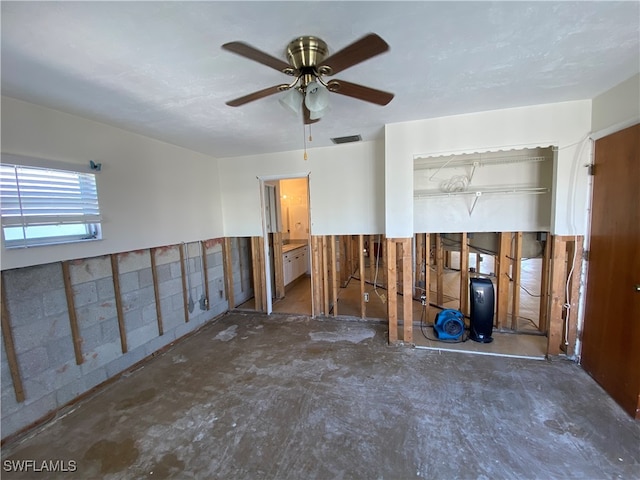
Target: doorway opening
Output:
[(287, 233)]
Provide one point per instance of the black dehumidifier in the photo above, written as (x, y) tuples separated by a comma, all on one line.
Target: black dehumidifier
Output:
[(482, 300), (449, 325)]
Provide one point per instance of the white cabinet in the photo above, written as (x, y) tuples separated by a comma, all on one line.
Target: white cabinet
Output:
[(295, 263), (287, 264)]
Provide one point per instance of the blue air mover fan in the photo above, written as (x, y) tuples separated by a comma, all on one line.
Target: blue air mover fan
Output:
[(449, 325)]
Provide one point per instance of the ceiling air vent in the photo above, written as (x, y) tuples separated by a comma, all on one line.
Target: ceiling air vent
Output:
[(348, 139)]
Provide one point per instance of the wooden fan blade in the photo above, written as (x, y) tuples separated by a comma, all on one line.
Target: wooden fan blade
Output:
[(360, 92), (359, 51), (255, 96), (307, 115), (252, 53)]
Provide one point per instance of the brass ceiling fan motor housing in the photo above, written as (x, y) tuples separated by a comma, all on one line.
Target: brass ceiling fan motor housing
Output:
[(306, 52)]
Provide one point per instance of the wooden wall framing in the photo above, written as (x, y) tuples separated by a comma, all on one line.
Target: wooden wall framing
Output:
[(336, 259), (502, 272), (562, 314), (115, 275), (400, 247), (156, 290), (464, 274), (555, 320), (259, 276), (9, 346), (71, 308), (276, 243), (334, 274)]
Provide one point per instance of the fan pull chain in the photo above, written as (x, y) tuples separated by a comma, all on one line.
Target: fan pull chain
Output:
[(304, 140), (310, 137)]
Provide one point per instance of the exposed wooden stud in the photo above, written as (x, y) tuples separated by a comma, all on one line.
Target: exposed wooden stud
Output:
[(316, 280), (321, 275), (344, 269), (439, 270), (557, 295), (419, 275), (350, 260), (325, 274), (256, 274), (205, 271), (407, 283), (516, 276), (575, 248), (334, 276), (278, 265), (262, 274), (427, 275), (243, 280), (71, 309), (392, 299), (227, 262), (544, 286), (383, 257), (363, 305), (185, 295), (263, 260), (502, 272), (464, 274), (9, 346), (372, 259), (313, 255), (399, 267), (115, 274), (156, 289)]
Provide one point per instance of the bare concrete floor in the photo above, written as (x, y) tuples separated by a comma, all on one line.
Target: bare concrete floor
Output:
[(286, 397)]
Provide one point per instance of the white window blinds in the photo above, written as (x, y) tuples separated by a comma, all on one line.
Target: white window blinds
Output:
[(40, 205)]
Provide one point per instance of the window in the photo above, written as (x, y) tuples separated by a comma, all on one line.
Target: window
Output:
[(43, 206)]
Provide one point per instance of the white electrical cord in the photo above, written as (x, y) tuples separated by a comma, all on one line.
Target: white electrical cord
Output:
[(567, 304), (457, 183), (375, 278), (583, 142)]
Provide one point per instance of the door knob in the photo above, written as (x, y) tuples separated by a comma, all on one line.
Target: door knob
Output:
[(638, 287)]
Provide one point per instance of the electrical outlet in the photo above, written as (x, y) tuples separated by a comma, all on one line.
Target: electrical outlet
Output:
[(366, 297)]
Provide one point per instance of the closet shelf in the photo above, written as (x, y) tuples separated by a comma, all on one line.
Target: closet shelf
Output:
[(482, 191), (477, 193), (421, 163)]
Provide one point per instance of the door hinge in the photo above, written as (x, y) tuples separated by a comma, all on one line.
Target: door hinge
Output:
[(585, 255), (591, 169)]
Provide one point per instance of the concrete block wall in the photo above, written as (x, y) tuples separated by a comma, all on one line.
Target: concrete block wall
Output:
[(241, 259), (40, 326)]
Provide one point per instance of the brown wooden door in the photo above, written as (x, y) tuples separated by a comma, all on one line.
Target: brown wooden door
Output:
[(611, 333)]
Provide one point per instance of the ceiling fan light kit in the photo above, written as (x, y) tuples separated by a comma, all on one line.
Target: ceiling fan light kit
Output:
[(292, 100), (316, 99), (309, 61)]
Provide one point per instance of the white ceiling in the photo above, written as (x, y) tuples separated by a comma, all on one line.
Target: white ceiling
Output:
[(157, 68)]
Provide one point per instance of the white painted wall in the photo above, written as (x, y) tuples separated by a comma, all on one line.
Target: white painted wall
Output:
[(565, 125), (617, 108), (346, 185), (151, 193)]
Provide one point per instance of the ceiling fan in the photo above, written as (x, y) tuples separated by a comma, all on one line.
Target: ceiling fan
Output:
[(309, 63)]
